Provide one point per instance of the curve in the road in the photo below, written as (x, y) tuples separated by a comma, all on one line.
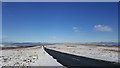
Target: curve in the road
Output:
[(69, 60)]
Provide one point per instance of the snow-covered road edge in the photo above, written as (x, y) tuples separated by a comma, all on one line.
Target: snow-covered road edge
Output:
[(33, 56), (94, 52)]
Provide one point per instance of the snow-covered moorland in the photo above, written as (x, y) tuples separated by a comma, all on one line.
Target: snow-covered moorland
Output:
[(31, 56), (102, 52)]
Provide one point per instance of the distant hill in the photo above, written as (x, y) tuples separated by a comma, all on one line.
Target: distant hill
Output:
[(106, 43), (24, 43)]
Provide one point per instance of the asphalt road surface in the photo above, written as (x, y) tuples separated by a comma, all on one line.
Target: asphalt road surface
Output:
[(70, 60)]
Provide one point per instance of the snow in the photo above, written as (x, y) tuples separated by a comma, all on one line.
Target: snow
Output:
[(32, 56), (96, 52)]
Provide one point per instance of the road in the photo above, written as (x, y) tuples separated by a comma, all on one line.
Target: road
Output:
[(69, 60)]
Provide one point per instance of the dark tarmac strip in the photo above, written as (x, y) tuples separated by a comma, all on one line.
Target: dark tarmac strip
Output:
[(71, 61)]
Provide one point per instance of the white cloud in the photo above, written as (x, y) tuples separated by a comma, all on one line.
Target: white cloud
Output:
[(75, 29), (102, 28)]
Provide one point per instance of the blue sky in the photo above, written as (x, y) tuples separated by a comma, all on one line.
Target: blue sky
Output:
[(60, 21)]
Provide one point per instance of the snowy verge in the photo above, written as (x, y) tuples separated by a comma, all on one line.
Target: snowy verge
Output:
[(33, 56), (95, 52)]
